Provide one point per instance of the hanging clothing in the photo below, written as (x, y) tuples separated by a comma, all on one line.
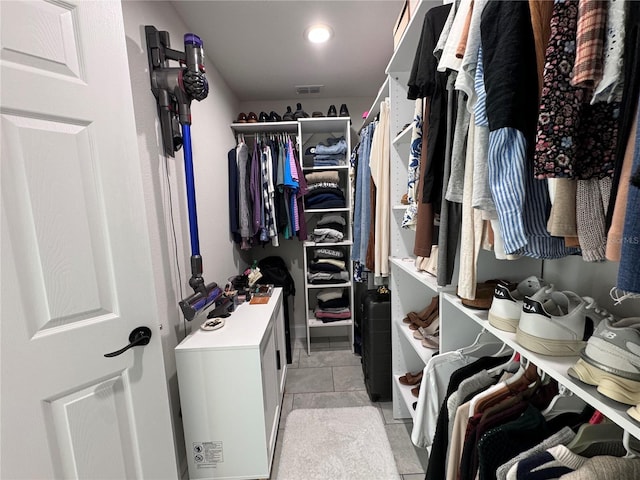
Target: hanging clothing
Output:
[(425, 81), (415, 152), (362, 209), (609, 89), (574, 138), (379, 163), (510, 83)]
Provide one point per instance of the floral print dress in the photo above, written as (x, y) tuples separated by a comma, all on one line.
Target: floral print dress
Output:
[(574, 139)]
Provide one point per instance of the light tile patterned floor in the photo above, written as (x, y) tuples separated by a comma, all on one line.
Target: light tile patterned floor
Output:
[(332, 377)]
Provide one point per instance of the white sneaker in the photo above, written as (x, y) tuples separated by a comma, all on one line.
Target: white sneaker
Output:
[(611, 361), (560, 326), (507, 304)]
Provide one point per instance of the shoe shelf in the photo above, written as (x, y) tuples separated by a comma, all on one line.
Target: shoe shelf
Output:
[(410, 291), (555, 367), (405, 395), (407, 265), (423, 352), (260, 127)]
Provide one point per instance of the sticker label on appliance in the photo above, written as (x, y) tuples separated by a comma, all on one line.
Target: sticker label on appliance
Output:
[(207, 454)]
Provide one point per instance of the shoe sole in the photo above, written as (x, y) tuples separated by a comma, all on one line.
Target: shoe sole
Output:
[(552, 348), (634, 412), (505, 324), (619, 389)]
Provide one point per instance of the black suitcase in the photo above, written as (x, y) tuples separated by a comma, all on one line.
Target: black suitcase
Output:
[(376, 345)]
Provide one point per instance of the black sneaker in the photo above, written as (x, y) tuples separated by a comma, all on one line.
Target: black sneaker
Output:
[(344, 111), (332, 111), (274, 117), (263, 117), (288, 115), (299, 112)]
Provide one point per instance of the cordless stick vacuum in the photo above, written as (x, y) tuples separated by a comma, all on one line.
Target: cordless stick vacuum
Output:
[(174, 89)]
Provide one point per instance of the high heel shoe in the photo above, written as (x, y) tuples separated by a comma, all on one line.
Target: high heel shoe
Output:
[(417, 323), (424, 313)]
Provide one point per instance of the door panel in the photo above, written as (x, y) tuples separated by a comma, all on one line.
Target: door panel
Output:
[(51, 173), (77, 417), (75, 272)]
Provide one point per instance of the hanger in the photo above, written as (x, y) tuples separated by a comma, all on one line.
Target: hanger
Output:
[(590, 434), (484, 344), (626, 442), (564, 402), (510, 365)]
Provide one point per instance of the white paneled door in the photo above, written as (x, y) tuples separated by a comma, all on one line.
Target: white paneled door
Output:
[(76, 263)]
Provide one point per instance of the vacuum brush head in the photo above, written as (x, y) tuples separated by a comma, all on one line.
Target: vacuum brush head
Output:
[(199, 301)]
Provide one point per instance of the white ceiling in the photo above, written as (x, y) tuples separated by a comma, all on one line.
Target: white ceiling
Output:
[(258, 46)]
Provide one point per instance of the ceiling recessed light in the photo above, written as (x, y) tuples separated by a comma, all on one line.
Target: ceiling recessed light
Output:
[(318, 33)]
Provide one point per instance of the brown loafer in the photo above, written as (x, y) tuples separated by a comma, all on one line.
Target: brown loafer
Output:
[(242, 118), (252, 118)]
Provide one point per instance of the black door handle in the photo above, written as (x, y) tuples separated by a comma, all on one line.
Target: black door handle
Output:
[(138, 336)]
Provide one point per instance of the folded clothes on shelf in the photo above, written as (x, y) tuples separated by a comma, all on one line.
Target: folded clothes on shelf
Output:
[(331, 176), (327, 277), (326, 235), (324, 267), (326, 252), (334, 146), (329, 294)]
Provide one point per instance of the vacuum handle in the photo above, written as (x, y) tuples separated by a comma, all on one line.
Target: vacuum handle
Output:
[(138, 336)]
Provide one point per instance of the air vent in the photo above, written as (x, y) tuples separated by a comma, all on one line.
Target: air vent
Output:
[(308, 89)]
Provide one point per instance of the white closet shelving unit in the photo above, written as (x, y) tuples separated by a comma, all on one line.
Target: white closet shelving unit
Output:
[(312, 132), (412, 290)]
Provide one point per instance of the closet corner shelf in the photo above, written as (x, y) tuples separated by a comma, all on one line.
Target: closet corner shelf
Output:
[(326, 210), (314, 322), (407, 396), (424, 353), (404, 137), (408, 265), (329, 285), (323, 124), (555, 367), (383, 92), (259, 127), (308, 243)]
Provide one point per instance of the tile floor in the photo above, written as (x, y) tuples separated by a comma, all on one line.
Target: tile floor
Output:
[(332, 377)]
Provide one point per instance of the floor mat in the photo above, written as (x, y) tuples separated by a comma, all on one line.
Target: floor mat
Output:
[(336, 443)]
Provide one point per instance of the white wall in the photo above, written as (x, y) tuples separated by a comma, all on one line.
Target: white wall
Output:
[(212, 139)]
